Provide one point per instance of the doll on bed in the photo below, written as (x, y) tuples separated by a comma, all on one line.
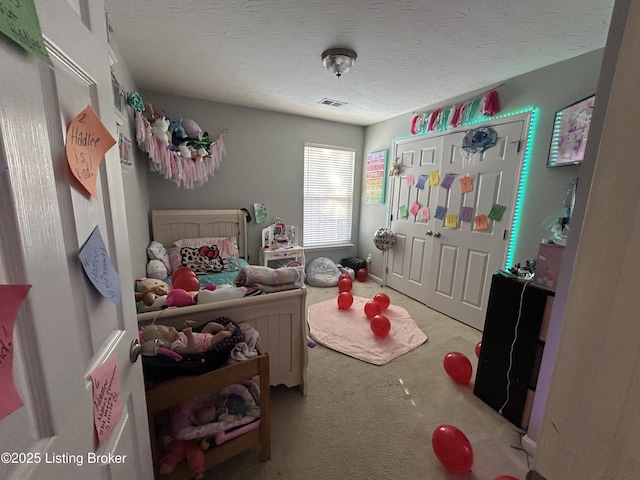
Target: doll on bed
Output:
[(188, 342)]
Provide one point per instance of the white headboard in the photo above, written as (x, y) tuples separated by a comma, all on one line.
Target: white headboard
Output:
[(167, 226)]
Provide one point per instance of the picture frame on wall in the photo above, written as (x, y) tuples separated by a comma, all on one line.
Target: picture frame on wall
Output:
[(376, 178), (570, 133)]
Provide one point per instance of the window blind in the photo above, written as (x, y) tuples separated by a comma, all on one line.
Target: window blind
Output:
[(328, 195)]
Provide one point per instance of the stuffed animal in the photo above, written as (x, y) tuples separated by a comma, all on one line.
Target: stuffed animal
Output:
[(149, 289), (161, 129), (179, 450)]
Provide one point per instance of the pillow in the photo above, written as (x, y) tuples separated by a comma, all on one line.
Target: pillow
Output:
[(322, 272), (219, 294), (209, 254), (156, 269), (156, 251)]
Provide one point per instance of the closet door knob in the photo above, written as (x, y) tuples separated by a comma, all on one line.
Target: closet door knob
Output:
[(429, 232), (436, 235)]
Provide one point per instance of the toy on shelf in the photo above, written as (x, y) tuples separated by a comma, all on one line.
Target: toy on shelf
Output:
[(278, 235)]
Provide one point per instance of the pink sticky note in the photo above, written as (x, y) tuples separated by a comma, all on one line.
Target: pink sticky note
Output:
[(415, 207), (107, 405), (11, 297), (426, 214), (410, 180)]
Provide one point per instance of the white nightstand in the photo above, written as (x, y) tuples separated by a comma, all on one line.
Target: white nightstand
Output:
[(293, 253)]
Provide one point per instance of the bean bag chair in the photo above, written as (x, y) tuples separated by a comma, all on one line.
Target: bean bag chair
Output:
[(322, 272)]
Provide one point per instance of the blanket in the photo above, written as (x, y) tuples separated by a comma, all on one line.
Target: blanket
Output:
[(270, 279)]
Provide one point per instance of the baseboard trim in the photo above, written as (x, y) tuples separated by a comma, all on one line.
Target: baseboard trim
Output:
[(529, 446)]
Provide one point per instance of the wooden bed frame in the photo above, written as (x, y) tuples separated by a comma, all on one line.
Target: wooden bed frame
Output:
[(279, 317)]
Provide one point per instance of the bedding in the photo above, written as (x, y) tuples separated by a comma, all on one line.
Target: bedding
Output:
[(270, 279)]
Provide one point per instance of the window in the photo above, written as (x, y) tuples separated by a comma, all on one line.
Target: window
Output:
[(328, 195)]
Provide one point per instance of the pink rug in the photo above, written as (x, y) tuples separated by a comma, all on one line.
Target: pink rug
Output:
[(348, 331)]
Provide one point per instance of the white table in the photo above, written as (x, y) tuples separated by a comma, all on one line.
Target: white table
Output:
[(294, 253)]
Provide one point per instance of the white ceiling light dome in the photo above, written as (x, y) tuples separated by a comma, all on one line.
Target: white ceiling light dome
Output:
[(339, 60)]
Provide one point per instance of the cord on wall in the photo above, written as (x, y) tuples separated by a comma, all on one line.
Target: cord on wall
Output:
[(515, 337)]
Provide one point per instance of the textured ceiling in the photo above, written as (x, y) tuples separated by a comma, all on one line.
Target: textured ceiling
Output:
[(411, 53)]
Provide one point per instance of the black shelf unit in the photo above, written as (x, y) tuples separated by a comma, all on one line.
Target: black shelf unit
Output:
[(512, 346)]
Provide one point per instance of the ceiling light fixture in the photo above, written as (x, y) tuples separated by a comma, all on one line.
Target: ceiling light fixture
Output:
[(339, 60)]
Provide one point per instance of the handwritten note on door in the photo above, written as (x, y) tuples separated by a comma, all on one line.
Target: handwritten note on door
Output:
[(19, 21), (97, 266), (107, 405), (11, 297), (87, 142)]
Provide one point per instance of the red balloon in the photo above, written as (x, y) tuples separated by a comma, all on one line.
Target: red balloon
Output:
[(182, 271), (186, 282), (382, 299), (371, 309), (478, 347), (345, 285), (380, 326), (506, 477), (343, 275), (345, 300), (362, 274), (458, 366), (452, 448)]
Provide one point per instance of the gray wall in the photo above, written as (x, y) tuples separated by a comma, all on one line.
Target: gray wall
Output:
[(548, 89), (264, 163), (134, 180)]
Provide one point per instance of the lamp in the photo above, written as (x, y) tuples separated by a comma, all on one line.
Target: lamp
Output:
[(339, 60)]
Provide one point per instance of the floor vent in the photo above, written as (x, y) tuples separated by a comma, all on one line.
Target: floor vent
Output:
[(331, 103)]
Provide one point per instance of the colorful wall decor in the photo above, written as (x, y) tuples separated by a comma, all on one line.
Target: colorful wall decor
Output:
[(376, 177)]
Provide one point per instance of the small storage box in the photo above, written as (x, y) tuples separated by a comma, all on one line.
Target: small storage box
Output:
[(354, 263), (548, 265)]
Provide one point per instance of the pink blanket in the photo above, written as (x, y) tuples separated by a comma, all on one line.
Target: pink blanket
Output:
[(349, 332)]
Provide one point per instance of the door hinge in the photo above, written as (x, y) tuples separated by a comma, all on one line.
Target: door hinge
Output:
[(519, 142), (504, 235), (392, 217)]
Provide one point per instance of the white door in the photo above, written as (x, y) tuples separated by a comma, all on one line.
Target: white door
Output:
[(407, 269), (65, 329), (455, 264)]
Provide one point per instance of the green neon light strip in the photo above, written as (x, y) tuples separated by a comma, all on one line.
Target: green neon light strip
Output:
[(517, 214)]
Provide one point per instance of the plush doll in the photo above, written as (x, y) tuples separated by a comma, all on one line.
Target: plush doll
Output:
[(149, 289), (179, 450), (161, 129)]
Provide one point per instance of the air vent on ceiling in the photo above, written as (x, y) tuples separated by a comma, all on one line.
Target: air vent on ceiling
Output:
[(331, 103)]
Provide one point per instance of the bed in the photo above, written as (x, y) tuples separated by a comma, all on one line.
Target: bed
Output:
[(279, 317)]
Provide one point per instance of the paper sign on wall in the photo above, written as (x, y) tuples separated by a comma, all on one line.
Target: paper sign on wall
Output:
[(410, 180), (107, 403), (19, 21), (422, 179), (426, 214), (451, 221), (447, 180), (496, 212), (11, 297), (415, 207), (440, 212), (403, 211), (481, 222), (466, 214), (466, 184), (86, 143), (434, 178), (97, 266)]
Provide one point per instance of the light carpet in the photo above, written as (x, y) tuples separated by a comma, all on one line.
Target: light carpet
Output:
[(348, 331)]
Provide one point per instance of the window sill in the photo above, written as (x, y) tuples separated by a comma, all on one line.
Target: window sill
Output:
[(340, 246)]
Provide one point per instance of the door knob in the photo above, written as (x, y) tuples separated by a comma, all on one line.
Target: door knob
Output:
[(437, 234), (147, 348), (429, 232)]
